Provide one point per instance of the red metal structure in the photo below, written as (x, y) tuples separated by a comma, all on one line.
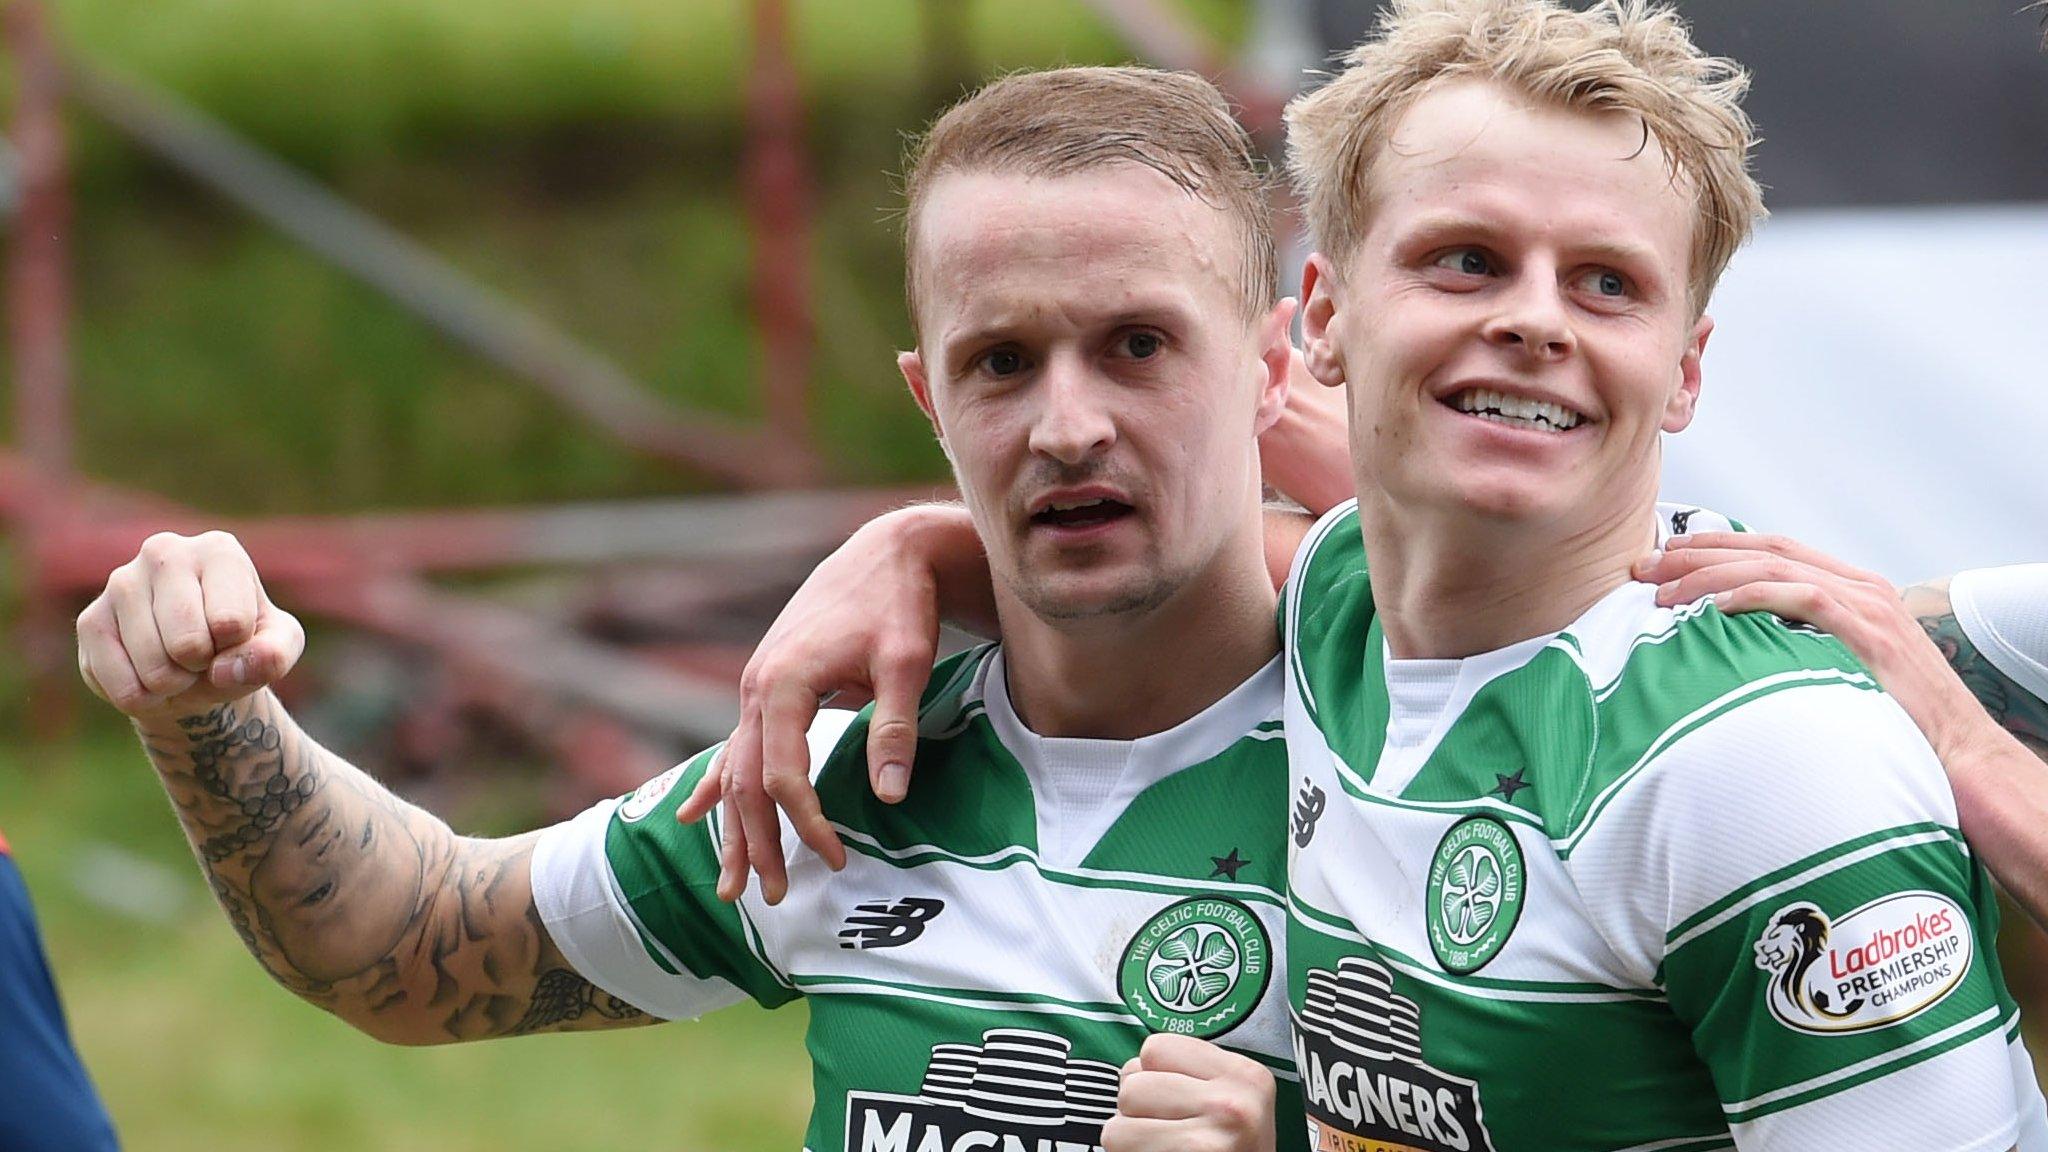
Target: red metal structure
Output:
[(613, 712)]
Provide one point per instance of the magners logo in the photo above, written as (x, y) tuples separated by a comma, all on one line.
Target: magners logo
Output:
[(1877, 965), (1358, 1045), (1016, 1091)]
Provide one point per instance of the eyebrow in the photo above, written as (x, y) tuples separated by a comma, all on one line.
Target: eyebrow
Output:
[(1162, 311)]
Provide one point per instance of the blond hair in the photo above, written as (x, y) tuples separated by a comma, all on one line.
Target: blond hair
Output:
[(1067, 120), (1619, 55)]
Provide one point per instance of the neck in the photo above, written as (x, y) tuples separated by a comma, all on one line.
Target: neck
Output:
[(1123, 677), (1452, 586)]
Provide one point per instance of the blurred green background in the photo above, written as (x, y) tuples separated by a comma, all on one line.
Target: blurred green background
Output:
[(582, 159)]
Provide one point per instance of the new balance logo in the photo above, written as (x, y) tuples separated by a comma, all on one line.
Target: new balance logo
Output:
[(881, 924), (1308, 808)]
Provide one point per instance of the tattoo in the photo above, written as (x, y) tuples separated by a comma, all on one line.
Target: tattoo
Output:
[(216, 739), (562, 995), (2017, 710), (359, 902)]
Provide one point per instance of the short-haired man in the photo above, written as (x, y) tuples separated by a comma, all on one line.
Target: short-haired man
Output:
[(1699, 855), (1099, 349)]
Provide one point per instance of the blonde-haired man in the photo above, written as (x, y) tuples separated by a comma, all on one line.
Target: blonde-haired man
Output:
[(1570, 869), (1701, 852)]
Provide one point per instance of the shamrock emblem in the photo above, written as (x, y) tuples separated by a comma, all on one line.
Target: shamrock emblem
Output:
[(1471, 894), (1194, 968)]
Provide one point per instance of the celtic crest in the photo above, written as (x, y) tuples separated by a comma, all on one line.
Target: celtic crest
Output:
[(1472, 891), (1198, 967), (1194, 968), (1475, 893)]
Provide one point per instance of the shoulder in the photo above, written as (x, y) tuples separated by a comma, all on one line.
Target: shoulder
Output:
[(1781, 775), (953, 697), (1666, 682)]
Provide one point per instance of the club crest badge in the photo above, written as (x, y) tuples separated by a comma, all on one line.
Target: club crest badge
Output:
[(1882, 963), (1198, 968), (1474, 898)]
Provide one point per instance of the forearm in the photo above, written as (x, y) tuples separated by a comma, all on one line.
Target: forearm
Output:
[(356, 901)]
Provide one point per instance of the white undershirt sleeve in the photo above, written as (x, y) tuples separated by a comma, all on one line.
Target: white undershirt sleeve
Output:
[(2004, 612)]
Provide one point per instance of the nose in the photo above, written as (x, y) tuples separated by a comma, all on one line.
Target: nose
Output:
[(1072, 423), (1533, 318)]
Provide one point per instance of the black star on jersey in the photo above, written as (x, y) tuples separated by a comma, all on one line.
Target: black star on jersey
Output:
[(1509, 785), (1227, 866)]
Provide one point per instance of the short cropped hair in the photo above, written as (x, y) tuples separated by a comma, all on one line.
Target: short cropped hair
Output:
[(1063, 121), (1619, 55)]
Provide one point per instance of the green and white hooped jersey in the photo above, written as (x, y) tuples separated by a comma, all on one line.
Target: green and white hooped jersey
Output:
[(998, 945), (1666, 880)]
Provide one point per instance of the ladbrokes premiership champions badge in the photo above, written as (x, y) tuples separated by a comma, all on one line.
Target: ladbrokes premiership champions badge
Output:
[(1198, 968), (1873, 966)]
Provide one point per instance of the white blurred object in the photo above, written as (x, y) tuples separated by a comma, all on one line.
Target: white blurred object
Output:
[(1877, 386), (1282, 46), (122, 882)]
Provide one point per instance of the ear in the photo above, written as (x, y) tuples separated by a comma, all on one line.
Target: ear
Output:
[(1276, 363), (1318, 311), (911, 364), (1678, 410)]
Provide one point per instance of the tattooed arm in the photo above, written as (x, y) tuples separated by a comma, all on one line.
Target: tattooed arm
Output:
[(1990, 730), (355, 900)]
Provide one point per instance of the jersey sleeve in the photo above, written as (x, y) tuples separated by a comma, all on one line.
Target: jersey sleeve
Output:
[(630, 898), (1789, 872), (2004, 612)]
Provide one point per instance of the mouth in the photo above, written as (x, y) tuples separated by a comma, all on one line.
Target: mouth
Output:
[(1079, 513), (1523, 412)]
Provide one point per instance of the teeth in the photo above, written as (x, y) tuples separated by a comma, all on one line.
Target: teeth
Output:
[(1519, 411), (1059, 507)]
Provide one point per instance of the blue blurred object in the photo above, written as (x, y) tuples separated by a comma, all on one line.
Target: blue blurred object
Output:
[(47, 1103)]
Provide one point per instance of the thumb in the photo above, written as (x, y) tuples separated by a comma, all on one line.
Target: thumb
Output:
[(263, 659)]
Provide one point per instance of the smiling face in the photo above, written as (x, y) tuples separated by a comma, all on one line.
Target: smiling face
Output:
[(1085, 360), (1514, 323)]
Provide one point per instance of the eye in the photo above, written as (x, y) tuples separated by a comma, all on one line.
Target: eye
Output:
[(1469, 261), (1002, 362), (1605, 282), (1143, 345)]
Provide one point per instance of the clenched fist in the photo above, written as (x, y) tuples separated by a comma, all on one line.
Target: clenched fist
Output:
[(1180, 1094), (183, 627)]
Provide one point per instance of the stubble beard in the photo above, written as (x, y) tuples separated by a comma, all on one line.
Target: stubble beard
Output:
[(1044, 596)]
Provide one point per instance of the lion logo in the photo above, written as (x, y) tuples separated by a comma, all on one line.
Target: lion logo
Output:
[(1795, 940)]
